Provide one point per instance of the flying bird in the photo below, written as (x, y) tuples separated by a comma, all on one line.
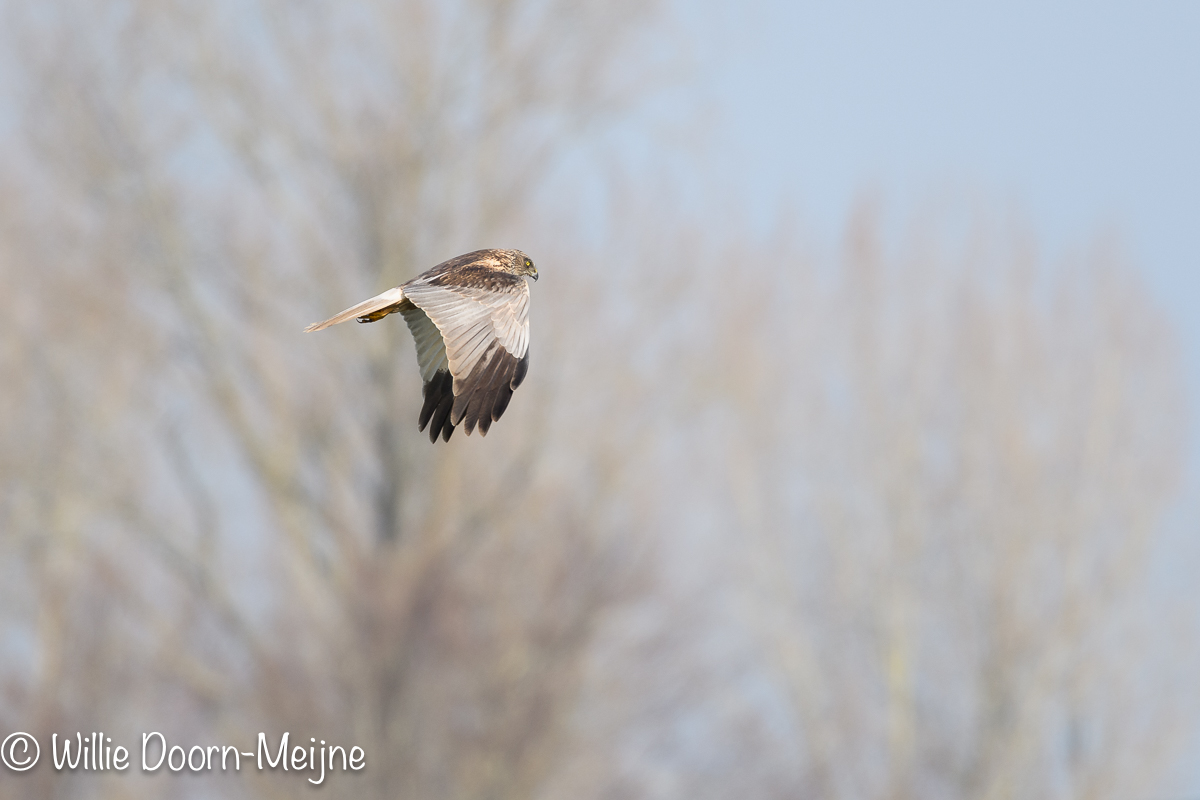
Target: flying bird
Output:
[(469, 317)]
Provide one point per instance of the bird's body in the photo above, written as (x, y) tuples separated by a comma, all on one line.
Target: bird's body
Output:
[(469, 317)]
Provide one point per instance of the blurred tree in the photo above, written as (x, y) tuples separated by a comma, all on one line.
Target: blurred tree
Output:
[(249, 510), (947, 464)]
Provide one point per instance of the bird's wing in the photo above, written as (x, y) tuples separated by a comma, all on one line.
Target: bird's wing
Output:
[(485, 344), (431, 349), (388, 302)]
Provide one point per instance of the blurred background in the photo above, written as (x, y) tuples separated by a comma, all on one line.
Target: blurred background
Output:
[(856, 457)]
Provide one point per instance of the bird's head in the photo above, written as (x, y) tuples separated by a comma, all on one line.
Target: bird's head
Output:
[(522, 264)]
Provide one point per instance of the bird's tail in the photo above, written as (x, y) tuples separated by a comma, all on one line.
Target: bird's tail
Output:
[(367, 308)]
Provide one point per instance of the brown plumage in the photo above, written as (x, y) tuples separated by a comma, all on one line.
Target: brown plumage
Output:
[(469, 317)]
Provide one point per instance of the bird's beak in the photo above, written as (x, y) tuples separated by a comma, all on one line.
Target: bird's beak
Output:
[(533, 274)]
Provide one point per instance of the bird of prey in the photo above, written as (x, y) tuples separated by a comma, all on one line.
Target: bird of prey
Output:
[(470, 319)]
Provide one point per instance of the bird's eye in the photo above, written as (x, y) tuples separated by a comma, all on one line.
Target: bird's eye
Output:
[(528, 263)]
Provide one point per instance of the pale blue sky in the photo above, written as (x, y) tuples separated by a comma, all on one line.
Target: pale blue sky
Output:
[(1084, 117)]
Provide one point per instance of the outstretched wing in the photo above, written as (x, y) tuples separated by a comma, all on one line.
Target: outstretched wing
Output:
[(377, 307), (484, 349)]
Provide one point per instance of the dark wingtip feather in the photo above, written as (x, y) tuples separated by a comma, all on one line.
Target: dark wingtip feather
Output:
[(522, 368), (437, 390), (501, 402), (487, 402), (440, 422), (505, 394)]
